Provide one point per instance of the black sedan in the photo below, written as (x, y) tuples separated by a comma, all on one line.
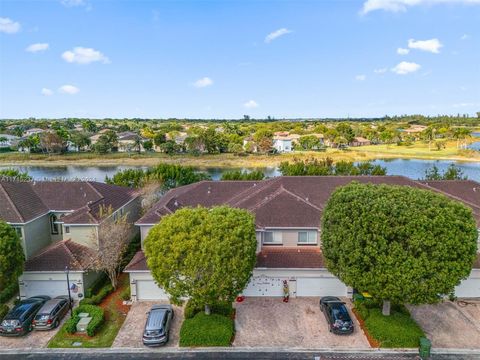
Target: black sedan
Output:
[(336, 313)]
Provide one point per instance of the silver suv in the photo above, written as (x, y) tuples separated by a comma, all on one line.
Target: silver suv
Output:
[(51, 313), (157, 327)]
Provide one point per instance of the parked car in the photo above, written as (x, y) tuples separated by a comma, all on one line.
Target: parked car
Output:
[(157, 327), (19, 320), (338, 318), (51, 313)]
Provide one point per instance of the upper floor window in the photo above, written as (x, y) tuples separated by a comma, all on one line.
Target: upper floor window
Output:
[(307, 237), (272, 237), (54, 228), (67, 229)]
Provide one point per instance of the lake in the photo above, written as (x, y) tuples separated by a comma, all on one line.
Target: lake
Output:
[(414, 169)]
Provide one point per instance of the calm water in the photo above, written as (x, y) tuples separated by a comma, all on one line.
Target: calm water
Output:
[(414, 169)]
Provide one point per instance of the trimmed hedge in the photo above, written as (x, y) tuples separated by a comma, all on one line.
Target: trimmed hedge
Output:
[(220, 308), (95, 312), (7, 293), (398, 330), (97, 299), (207, 330), (3, 311)]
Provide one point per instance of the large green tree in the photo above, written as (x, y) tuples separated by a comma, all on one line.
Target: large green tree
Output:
[(11, 256), (400, 244), (206, 255)]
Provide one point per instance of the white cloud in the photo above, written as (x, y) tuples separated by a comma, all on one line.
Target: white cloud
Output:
[(37, 47), (361, 77), (81, 55), (203, 82), (464, 37), (403, 5), (251, 104), (46, 92), (380, 71), (73, 3), (405, 67), (8, 26), (432, 45), (68, 89), (276, 34), (402, 51)]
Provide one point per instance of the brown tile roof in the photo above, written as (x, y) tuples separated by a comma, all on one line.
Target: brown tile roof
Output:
[(24, 201), (138, 263), (288, 201), (61, 254), (295, 257)]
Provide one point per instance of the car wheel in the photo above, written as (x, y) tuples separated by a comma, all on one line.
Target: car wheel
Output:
[(55, 325)]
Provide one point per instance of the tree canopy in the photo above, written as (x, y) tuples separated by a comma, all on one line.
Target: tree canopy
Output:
[(239, 175), (11, 255), (14, 174), (316, 167), (399, 243), (206, 255), (452, 173)]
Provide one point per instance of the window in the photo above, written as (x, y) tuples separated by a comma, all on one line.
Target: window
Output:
[(307, 237), (53, 225), (272, 237), (67, 229), (18, 230)]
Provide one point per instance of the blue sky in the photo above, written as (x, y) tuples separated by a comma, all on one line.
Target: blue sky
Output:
[(224, 59)]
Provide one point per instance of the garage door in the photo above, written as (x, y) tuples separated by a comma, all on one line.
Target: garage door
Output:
[(264, 286), (51, 288), (319, 286), (469, 288), (149, 290)]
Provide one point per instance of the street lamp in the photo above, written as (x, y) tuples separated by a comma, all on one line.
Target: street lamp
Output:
[(67, 271)]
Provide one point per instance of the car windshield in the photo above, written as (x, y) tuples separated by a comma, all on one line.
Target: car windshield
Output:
[(41, 317), (340, 312)]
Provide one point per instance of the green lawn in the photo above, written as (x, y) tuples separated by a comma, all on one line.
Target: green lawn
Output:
[(114, 318), (207, 330), (398, 330)]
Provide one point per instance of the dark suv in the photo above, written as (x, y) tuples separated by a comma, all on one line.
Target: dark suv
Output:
[(51, 313), (339, 321), (19, 320), (157, 327)]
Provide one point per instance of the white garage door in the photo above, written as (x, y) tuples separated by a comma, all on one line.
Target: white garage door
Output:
[(149, 290), (51, 288), (469, 288), (320, 287), (264, 286)]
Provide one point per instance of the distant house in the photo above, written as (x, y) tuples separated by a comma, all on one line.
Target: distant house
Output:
[(250, 145), (8, 141), (414, 129), (33, 131), (127, 142), (282, 142), (360, 141)]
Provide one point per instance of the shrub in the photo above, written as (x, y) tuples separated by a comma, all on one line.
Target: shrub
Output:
[(3, 311), (207, 330), (126, 293), (7, 293), (97, 299), (220, 308), (97, 285), (95, 312)]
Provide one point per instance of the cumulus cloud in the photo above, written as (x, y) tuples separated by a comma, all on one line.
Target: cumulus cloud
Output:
[(81, 55), (203, 82), (8, 26), (361, 77), (380, 71), (276, 34), (406, 67), (69, 89), (46, 92), (403, 5), (251, 104), (402, 51), (432, 45), (37, 47)]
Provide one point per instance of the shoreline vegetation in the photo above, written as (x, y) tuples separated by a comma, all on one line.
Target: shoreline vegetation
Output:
[(419, 151)]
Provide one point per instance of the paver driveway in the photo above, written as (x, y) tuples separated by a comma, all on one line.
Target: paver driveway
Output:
[(35, 339), (131, 332), (449, 325), (269, 322)]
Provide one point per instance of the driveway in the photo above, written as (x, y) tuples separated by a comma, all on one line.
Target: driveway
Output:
[(131, 332), (34, 339), (269, 322), (449, 324)]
